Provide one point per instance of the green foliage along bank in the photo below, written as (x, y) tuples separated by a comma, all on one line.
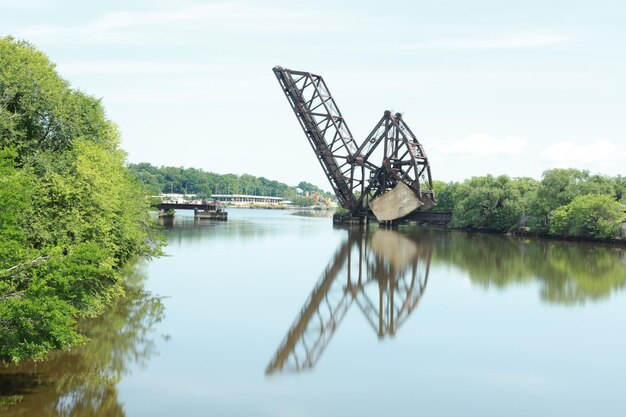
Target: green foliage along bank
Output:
[(566, 202), (199, 182), (72, 214)]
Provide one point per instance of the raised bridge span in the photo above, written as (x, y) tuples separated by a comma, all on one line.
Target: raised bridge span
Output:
[(387, 174)]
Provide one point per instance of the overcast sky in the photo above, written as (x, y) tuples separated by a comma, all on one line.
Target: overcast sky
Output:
[(500, 87)]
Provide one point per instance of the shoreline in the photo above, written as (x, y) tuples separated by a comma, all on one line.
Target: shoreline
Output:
[(614, 241)]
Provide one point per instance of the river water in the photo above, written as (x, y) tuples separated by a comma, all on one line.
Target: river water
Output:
[(278, 314)]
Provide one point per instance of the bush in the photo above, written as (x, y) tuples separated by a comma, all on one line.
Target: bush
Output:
[(597, 216)]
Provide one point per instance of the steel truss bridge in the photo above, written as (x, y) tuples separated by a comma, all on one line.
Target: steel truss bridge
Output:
[(389, 160)]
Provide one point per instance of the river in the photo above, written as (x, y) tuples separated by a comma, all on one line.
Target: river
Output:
[(278, 314)]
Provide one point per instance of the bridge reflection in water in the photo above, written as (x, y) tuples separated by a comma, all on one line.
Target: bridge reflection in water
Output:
[(384, 274)]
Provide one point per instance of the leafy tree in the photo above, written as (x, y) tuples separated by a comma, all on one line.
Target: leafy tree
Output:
[(72, 213), (597, 216), (30, 327), (491, 203), (16, 188), (620, 188), (38, 110), (559, 187), (597, 185), (445, 193)]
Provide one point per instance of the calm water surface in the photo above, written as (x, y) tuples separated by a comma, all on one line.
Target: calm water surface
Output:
[(274, 314)]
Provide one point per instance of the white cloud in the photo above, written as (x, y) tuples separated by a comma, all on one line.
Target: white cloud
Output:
[(26, 5), (185, 96), (503, 42), (481, 144), (570, 152), (132, 67), (124, 26), (119, 20), (140, 27)]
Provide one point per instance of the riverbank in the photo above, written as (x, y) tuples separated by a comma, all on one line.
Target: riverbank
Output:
[(72, 215), (520, 233)]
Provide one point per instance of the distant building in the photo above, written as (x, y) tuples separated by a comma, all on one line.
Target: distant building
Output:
[(177, 198), (246, 199)]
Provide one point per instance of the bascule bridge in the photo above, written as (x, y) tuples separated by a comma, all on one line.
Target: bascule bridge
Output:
[(387, 175)]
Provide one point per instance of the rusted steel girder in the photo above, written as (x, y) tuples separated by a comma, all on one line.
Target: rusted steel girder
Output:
[(324, 127), (403, 160), (357, 174)]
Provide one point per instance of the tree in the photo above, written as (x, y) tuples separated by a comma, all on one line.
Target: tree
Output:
[(620, 188), (445, 194), (597, 216), (196, 181), (558, 187), (491, 203), (16, 188), (72, 215)]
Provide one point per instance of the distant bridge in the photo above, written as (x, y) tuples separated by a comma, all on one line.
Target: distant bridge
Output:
[(190, 205), (201, 209)]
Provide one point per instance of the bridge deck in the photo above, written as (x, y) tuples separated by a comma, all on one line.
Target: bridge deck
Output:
[(184, 206)]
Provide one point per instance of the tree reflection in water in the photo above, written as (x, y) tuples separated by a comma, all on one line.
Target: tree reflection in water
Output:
[(83, 382), (384, 274), (569, 273)]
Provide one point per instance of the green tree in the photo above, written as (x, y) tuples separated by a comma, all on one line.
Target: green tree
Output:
[(491, 203), (38, 110), (196, 181), (445, 193), (16, 188), (72, 213), (558, 187), (620, 188), (597, 216)]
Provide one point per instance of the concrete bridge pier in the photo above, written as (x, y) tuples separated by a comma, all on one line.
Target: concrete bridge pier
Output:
[(164, 213), (388, 224)]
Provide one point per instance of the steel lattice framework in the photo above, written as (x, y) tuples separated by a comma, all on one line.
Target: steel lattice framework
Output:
[(389, 155)]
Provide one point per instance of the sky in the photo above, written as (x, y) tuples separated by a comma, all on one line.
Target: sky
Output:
[(489, 87)]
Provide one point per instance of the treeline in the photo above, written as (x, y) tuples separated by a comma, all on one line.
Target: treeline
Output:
[(566, 202), (72, 215), (195, 181)]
